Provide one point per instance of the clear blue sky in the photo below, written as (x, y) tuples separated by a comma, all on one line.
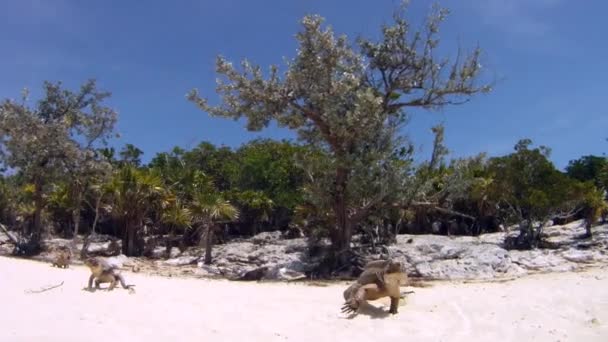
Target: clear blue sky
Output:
[(549, 54)]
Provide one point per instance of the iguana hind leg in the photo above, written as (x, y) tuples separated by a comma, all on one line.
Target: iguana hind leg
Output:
[(359, 295), (394, 305), (112, 284)]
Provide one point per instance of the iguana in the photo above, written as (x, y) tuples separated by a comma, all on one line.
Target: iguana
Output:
[(62, 257), (104, 272), (381, 278)]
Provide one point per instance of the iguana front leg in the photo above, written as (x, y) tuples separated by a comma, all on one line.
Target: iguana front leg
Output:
[(91, 278)]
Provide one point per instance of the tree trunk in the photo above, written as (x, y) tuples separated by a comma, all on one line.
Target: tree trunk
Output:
[(128, 241), (85, 247), (97, 205), (76, 212), (76, 221), (342, 234), (208, 243), (169, 242), (38, 206), (588, 232)]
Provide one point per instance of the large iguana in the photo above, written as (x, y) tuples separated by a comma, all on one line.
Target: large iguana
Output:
[(379, 279)]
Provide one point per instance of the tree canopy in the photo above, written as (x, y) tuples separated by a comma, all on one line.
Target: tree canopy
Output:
[(349, 100)]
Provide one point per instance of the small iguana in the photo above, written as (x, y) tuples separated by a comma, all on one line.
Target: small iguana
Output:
[(104, 272), (62, 257)]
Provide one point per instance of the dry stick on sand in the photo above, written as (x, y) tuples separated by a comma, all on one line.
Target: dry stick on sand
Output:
[(44, 289)]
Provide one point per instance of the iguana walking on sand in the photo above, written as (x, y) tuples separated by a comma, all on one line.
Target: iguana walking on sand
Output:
[(381, 278), (104, 272)]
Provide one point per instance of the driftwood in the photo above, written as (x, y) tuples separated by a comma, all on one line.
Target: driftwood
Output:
[(22, 246), (10, 235), (44, 289), (436, 207)]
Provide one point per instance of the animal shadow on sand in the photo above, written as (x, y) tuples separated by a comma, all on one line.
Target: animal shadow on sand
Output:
[(94, 289), (374, 312)]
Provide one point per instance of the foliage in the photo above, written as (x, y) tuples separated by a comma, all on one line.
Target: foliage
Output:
[(530, 191), (590, 168), (208, 208), (130, 155), (349, 103), (58, 134), (135, 195)]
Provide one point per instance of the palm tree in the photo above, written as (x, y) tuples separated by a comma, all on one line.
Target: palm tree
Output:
[(135, 194), (175, 215), (207, 209)]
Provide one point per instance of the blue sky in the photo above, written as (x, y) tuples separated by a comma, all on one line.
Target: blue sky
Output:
[(549, 57)]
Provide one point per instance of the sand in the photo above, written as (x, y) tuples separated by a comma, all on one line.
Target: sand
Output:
[(548, 307)]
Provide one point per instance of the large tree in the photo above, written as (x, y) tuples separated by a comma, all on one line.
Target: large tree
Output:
[(54, 138), (349, 100)]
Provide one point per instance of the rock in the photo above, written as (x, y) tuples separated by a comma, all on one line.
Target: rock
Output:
[(283, 273), (160, 252), (111, 247), (266, 237), (118, 261), (294, 232), (181, 261), (436, 227), (541, 260), (210, 269), (493, 238), (255, 274), (578, 256), (269, 251), (269, 255), (476, 262)]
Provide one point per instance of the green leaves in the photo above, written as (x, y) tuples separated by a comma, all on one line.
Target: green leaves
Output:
[(348, 102), (211, 207), (175, 214)]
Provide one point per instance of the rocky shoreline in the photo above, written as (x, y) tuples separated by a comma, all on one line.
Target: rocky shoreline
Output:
[(268, 256)]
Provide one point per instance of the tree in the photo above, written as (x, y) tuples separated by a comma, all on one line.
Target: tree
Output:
[(212, 161), (8, 197), (265, 183), (269, 166), (134, 195), (530, 191), (207, 208), (130, 154), (58, 134), (175, 215), (590, 168), (255, 207), (348, 102)]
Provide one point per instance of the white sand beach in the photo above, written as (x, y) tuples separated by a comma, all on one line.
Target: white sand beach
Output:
[(547, 307)]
